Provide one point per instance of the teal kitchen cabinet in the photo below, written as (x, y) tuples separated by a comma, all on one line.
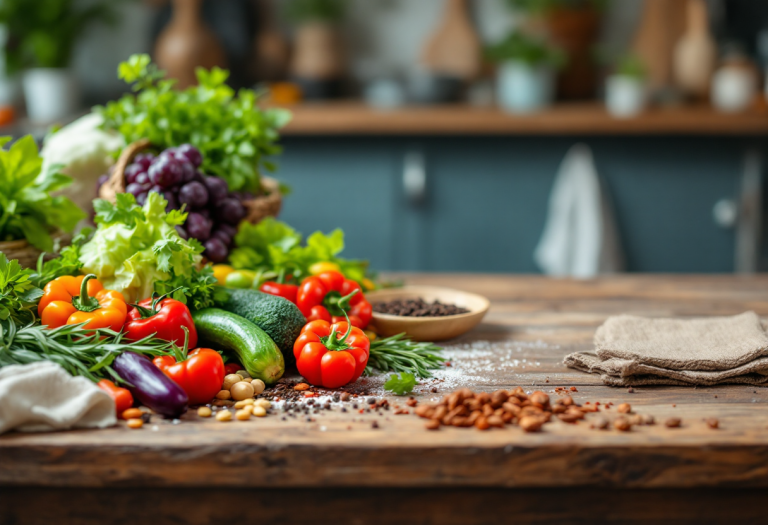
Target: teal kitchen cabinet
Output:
[(479, 203)]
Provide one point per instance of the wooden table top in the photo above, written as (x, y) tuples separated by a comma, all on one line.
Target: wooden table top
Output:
[(533, 323), (579, 118)]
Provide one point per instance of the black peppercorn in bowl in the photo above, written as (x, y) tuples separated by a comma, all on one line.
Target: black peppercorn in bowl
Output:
[(426, 313)]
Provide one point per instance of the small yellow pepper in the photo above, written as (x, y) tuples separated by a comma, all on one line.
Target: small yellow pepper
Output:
[(324, 266), (221, 271)]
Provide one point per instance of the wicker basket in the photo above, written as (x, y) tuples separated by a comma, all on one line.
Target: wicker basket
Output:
[(27, 254), (267, 205)]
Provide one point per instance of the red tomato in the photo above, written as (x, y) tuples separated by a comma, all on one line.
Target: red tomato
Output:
[(331, 355), (201, 374)]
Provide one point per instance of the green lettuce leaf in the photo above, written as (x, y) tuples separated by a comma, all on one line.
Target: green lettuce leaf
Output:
[(134, 249)]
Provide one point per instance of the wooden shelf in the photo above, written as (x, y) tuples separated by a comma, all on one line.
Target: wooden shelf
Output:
[(354, 118)]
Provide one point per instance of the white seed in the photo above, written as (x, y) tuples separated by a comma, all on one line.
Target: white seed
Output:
[(223, 394), (224, 415), (204, 412), (259, 411), (263, 403), (243, 415)]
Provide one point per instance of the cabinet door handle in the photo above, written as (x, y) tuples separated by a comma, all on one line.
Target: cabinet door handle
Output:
[(415, 176)]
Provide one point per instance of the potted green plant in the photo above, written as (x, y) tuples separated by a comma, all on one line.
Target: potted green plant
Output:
[(573, 26), (526, 72), (625, 89), (41, 36), (318, 61)]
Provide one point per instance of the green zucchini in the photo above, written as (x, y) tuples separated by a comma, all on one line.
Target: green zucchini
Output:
[(279, 317), (256, 351)]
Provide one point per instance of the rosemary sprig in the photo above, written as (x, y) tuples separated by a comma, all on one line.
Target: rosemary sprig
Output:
[(80, 352), (400, 354)]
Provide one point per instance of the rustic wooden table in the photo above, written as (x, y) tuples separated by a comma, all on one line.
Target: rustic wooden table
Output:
[(338, 469)]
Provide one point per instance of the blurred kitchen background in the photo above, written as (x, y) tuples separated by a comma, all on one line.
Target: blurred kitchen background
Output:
[(573, 137)]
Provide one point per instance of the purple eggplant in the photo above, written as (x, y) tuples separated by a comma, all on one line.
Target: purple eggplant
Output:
[(150, 385)]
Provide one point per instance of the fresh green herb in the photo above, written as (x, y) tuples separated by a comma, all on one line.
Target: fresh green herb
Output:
[(400, 354), (134, 248), (232, 132), (67, 263), (18, 296), (198, 291), (519, 47), (546, 6), (301, 11), (27, 210), (631, 66), (401, 385), (80, 352), (272, 247)]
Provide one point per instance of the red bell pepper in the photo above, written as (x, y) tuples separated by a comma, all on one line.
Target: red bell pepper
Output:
[(329, 296), (287, 291), (200, 373), (164, 317), (329, 359), (121, 396)]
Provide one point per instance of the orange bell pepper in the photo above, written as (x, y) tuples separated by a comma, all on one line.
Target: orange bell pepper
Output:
[(83, 299)]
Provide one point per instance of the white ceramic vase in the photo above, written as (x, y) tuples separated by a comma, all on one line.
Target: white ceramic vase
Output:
[(50, 94), (523, 88), (625, 96), (734, 89)]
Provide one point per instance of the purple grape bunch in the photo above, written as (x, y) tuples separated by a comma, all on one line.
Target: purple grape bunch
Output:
[(214, 211)]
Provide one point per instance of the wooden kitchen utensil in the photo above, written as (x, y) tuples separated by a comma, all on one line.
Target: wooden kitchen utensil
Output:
[(695, 53), (271, 49), (454, 49), (187, 43), (429, 328), (661, 26)]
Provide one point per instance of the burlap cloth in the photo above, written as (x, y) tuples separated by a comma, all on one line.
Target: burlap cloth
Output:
[(632, 351)]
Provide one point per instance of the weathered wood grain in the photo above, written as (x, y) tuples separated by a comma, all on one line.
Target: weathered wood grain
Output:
[(377, 506), (342, 450)]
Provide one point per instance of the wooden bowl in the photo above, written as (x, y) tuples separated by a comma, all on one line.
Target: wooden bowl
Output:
[(428, 328)]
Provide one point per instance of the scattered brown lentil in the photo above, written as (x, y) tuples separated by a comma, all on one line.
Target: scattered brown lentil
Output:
[(673, 422)]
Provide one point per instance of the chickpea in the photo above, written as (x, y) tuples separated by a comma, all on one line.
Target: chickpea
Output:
[(244, 403), (259, 411), (263, 403), (241, 391), (243, 415), (246, 380), (223, 394), (204, 412), (224, 415), (230, 380), (135, 423), (258, 386)]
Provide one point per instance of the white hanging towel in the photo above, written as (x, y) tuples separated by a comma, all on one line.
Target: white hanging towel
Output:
[(580, 238), (43, 396)]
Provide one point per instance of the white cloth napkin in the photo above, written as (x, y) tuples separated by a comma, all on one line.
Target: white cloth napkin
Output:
[(580, 238), (43, 397)]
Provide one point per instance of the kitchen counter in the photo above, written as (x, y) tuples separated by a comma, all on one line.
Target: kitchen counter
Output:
[(339, 469)]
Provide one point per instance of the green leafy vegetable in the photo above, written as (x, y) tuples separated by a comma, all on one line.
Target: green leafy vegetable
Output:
[(135, 249), (27, 210), (400, 354), (18, 296), (80, 352), (271, 247), (198, 290), (231, 131), (67, 263), (401, 385)]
